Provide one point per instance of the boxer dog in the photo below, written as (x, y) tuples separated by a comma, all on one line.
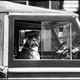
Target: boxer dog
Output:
[(30, 49)]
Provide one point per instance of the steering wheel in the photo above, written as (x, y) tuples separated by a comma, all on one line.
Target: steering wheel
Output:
[(60, 47), (64, 54)]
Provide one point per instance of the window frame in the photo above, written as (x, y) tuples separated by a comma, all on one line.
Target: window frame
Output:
[(37, 63)]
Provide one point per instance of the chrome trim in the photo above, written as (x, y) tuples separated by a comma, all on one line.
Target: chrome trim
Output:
[(59, 78), (45, 14), (6, 30), (44, 69)]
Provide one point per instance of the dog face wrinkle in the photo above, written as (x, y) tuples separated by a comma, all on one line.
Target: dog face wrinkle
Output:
[(33, 39)]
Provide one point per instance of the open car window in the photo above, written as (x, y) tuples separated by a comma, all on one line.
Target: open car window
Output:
[(54, 40)]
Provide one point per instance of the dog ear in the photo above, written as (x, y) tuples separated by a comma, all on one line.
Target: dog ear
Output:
[(26, 33), (24, 41)]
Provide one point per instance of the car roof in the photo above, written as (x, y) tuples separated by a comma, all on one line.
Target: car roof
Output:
[(10, 7)]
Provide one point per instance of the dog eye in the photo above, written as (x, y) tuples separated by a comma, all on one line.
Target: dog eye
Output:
[(33, 36), (30, 37), (36, 36)]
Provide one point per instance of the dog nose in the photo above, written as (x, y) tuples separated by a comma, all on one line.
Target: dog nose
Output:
[(34, 39)]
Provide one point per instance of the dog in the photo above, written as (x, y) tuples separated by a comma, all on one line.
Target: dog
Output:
[(30, 49)]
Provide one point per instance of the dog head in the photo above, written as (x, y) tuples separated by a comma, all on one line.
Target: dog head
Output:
[(32, 38)]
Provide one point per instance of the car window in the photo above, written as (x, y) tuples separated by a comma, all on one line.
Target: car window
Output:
[(40, 40)]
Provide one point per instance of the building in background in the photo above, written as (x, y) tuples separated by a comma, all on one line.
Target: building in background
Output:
[(73, 5), (45, 4)]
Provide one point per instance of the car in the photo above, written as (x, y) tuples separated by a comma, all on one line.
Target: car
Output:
[(58, 48)]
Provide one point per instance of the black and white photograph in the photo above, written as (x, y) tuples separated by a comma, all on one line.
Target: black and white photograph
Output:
[(40, 40)]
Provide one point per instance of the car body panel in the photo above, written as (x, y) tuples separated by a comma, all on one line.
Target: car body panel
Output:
[(26, 70)]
